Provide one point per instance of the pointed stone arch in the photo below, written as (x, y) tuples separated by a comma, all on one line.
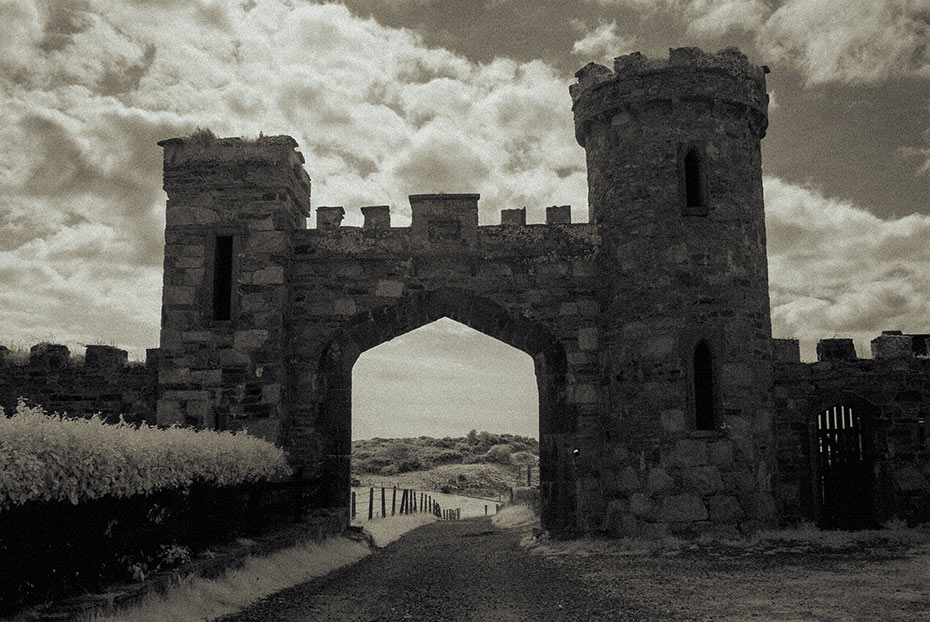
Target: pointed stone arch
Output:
[(557, 418)]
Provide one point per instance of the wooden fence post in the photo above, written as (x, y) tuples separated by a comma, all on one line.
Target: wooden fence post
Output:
[(383, 504), (394, 501), (371, 502)]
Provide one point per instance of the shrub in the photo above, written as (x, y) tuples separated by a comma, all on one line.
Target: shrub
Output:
[(54, 458), (499, 454)]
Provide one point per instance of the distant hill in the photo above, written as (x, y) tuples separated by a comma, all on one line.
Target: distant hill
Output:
[(480, 463)]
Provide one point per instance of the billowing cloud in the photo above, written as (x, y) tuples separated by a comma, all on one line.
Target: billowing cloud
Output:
[(704, 18), (848, 41), (603, 43), (86, 89), (837, 270), (830, 41)]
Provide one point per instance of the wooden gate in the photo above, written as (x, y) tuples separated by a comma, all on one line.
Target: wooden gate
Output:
[(845, 470)]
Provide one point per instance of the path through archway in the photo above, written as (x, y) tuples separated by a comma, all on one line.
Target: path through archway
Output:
[(557, 419)]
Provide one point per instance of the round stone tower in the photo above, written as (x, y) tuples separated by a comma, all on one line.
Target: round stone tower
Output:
[(675, 187)]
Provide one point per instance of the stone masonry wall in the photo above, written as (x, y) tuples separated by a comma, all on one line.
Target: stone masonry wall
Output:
[(678, 275), (104, 382), (226, 372), (532, 286), (897, 383)]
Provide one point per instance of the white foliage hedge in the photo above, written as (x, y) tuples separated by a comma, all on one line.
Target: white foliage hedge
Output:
[(52, 458)]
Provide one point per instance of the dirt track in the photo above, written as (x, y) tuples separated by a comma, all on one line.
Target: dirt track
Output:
[(465, 570), (470, 570)]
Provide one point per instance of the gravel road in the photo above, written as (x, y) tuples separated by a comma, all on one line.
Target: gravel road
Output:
[(470, 570), (465, 570)]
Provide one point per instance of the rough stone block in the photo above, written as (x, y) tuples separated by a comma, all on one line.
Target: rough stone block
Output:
[(892, 345), (513, 216), (836, 350), (270, 275), (49, 356), (584, 394), (682, 508), (704, 480), (250, 339), (658, 480), (673, 420), (178, 295), (389, 289), (720, 452), (909, 479), (629, 480), (786, 350), (641, 505), (174, 375), (688, 452), (559, 215), (168, 412), (105, 358), (271, 393), (660, 347), (344, 306), (376, 217), (329, 216), (587, 338)]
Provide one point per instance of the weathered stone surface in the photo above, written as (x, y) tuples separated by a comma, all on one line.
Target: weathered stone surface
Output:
[(909, 479), (673, 420), (587, 338), (629, 480), (658, 480), (688, 452), (703, 479), (682, 508), (724, 509), (389, 289), (641, 505)]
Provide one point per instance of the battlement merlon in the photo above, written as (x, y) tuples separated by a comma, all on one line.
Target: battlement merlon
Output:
[(687, 74), (266, 169)]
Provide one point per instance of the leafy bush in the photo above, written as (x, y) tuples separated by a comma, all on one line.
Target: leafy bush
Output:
[(54, 458), (499, 454)]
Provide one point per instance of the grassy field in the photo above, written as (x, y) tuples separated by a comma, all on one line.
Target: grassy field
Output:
[(479, 464)]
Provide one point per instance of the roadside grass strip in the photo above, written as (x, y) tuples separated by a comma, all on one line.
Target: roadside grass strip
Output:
[(196, 599)]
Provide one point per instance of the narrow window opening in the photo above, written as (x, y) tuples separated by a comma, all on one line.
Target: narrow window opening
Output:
[(703, 387), (222, 278), (693, 186)]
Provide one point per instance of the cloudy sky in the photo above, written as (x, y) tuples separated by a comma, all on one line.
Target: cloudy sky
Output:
[(393, 97)]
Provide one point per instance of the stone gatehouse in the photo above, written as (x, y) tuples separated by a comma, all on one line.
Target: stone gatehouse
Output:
[(649, 325)]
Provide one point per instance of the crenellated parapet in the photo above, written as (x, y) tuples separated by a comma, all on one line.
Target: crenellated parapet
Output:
[(102, 381), (688, 75)]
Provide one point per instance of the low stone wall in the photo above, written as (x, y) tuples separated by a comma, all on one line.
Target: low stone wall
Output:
[(103, 382)]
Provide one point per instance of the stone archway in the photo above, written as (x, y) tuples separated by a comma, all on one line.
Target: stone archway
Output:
[(371, 328)]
